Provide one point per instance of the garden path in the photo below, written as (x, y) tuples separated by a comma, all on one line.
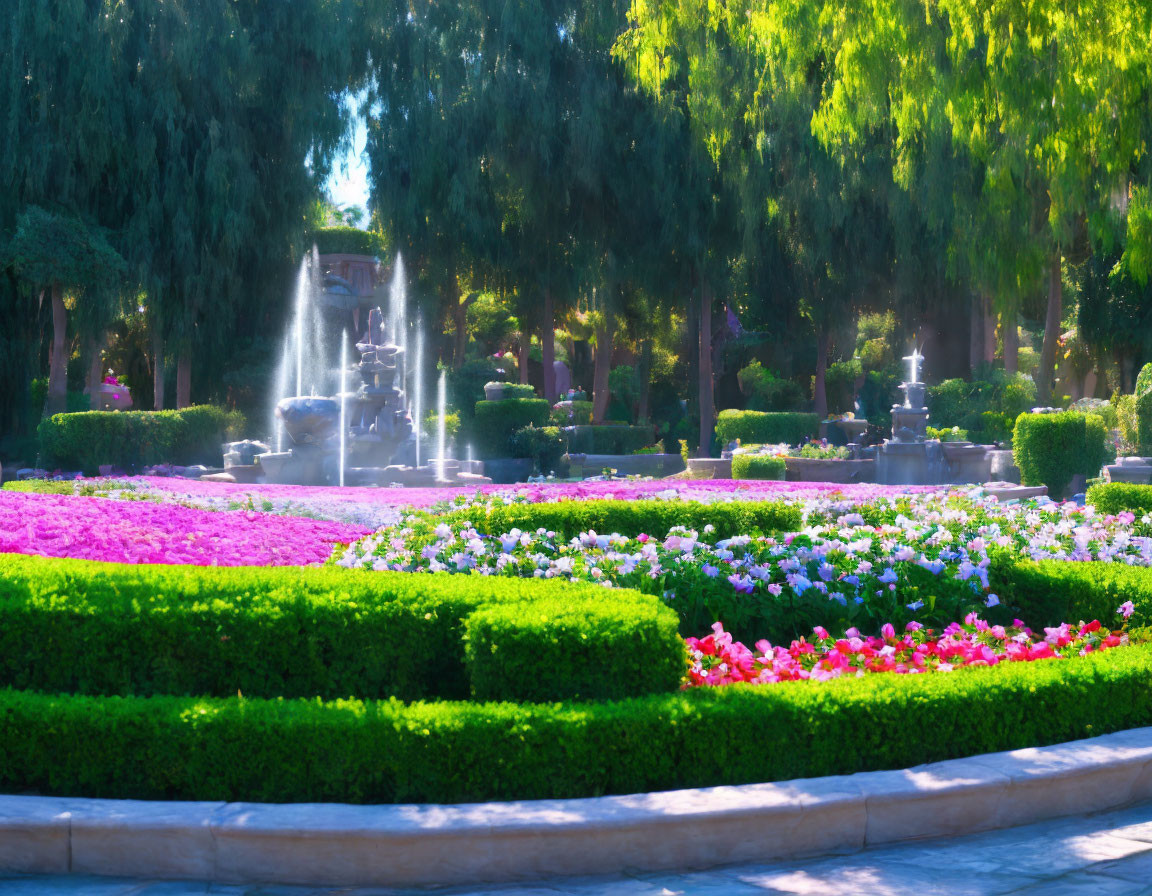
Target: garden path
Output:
[(1107, 854)]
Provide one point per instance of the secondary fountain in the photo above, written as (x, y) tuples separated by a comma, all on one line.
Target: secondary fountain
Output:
[(365, 437), (911, 458)]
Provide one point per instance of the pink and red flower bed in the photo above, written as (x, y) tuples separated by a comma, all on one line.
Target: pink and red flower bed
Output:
[(147, 532), (718, 659)]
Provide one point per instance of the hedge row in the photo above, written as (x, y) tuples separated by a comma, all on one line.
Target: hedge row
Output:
[(757, 466), (381, 752), (1115, 497), (654, 517), (1053, 591), (102, 628), (130, 440), (766, 427)]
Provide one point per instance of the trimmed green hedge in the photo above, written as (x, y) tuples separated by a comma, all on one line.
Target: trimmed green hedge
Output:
[(1114, 497), (134, 439), (654, 517), (766, 428), (350, 751), (519, 390), (102, 628), (1050, 449), (557, 649), (757, 466), (496, 421), (1053, 591), (347, 241), (608, 439)]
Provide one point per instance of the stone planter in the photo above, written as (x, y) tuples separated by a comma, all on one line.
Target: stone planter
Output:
[(1136, 470), (810, 469), (493, 391), (657, 465), (508, 470), (709, 468)]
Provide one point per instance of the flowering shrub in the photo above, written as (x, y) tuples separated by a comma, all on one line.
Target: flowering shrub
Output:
[(147, 532), (718, 659)]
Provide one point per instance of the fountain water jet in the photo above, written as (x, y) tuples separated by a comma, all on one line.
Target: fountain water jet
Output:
[(343, 403), (418, 374), (441, 429)]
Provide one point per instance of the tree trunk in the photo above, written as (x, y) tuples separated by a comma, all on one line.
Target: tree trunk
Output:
[(158, 370), (93, 348), (56, 401), (644, 381), (460, 324), (1047, 372), (976, 332), (704, 384), (183, 379), (819, 383), (522, 359), (1011, 342), (548, 346), (602, 365), (989, 354)]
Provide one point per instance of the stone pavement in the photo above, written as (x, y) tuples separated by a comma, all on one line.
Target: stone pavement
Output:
[(1108, 854)]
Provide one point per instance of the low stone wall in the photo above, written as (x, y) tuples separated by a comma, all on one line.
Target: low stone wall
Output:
[(419, 845)]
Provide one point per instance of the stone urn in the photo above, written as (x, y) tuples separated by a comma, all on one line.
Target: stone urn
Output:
[(494, 391), (113, 396)]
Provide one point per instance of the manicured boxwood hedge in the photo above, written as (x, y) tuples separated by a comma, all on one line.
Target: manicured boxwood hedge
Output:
[(766, 427), (1114, 497), (757, 466), (1050, 449), (381, 752), (560, 649), (495, 421), (130, 440), (1051, 592), (102, 628), (654, 517)]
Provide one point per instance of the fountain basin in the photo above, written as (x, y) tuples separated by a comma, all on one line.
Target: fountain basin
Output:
[(309, 420)]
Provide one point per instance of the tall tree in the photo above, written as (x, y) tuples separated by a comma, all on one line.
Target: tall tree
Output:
[(60, 253)]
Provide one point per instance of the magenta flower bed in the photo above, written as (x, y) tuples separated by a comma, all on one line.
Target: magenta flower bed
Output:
[(704, 489), (146, 532)]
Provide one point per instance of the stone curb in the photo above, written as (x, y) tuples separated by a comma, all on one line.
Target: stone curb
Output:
[(407, 845)]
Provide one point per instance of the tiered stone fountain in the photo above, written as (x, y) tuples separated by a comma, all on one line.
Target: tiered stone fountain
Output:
[(365, 437), (911, 458)]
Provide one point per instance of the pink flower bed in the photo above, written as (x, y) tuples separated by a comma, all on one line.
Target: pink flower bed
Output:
[(717, 659), (147, 532), (704, 489)]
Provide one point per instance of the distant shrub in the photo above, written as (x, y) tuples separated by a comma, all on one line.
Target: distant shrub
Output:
[(1050, 449), (1115, 497), (607, 439), (766, 428), (579, 413), (347, 241), (765, 391), (543, 444), (131, 440), (757, 466), (496, 421)]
